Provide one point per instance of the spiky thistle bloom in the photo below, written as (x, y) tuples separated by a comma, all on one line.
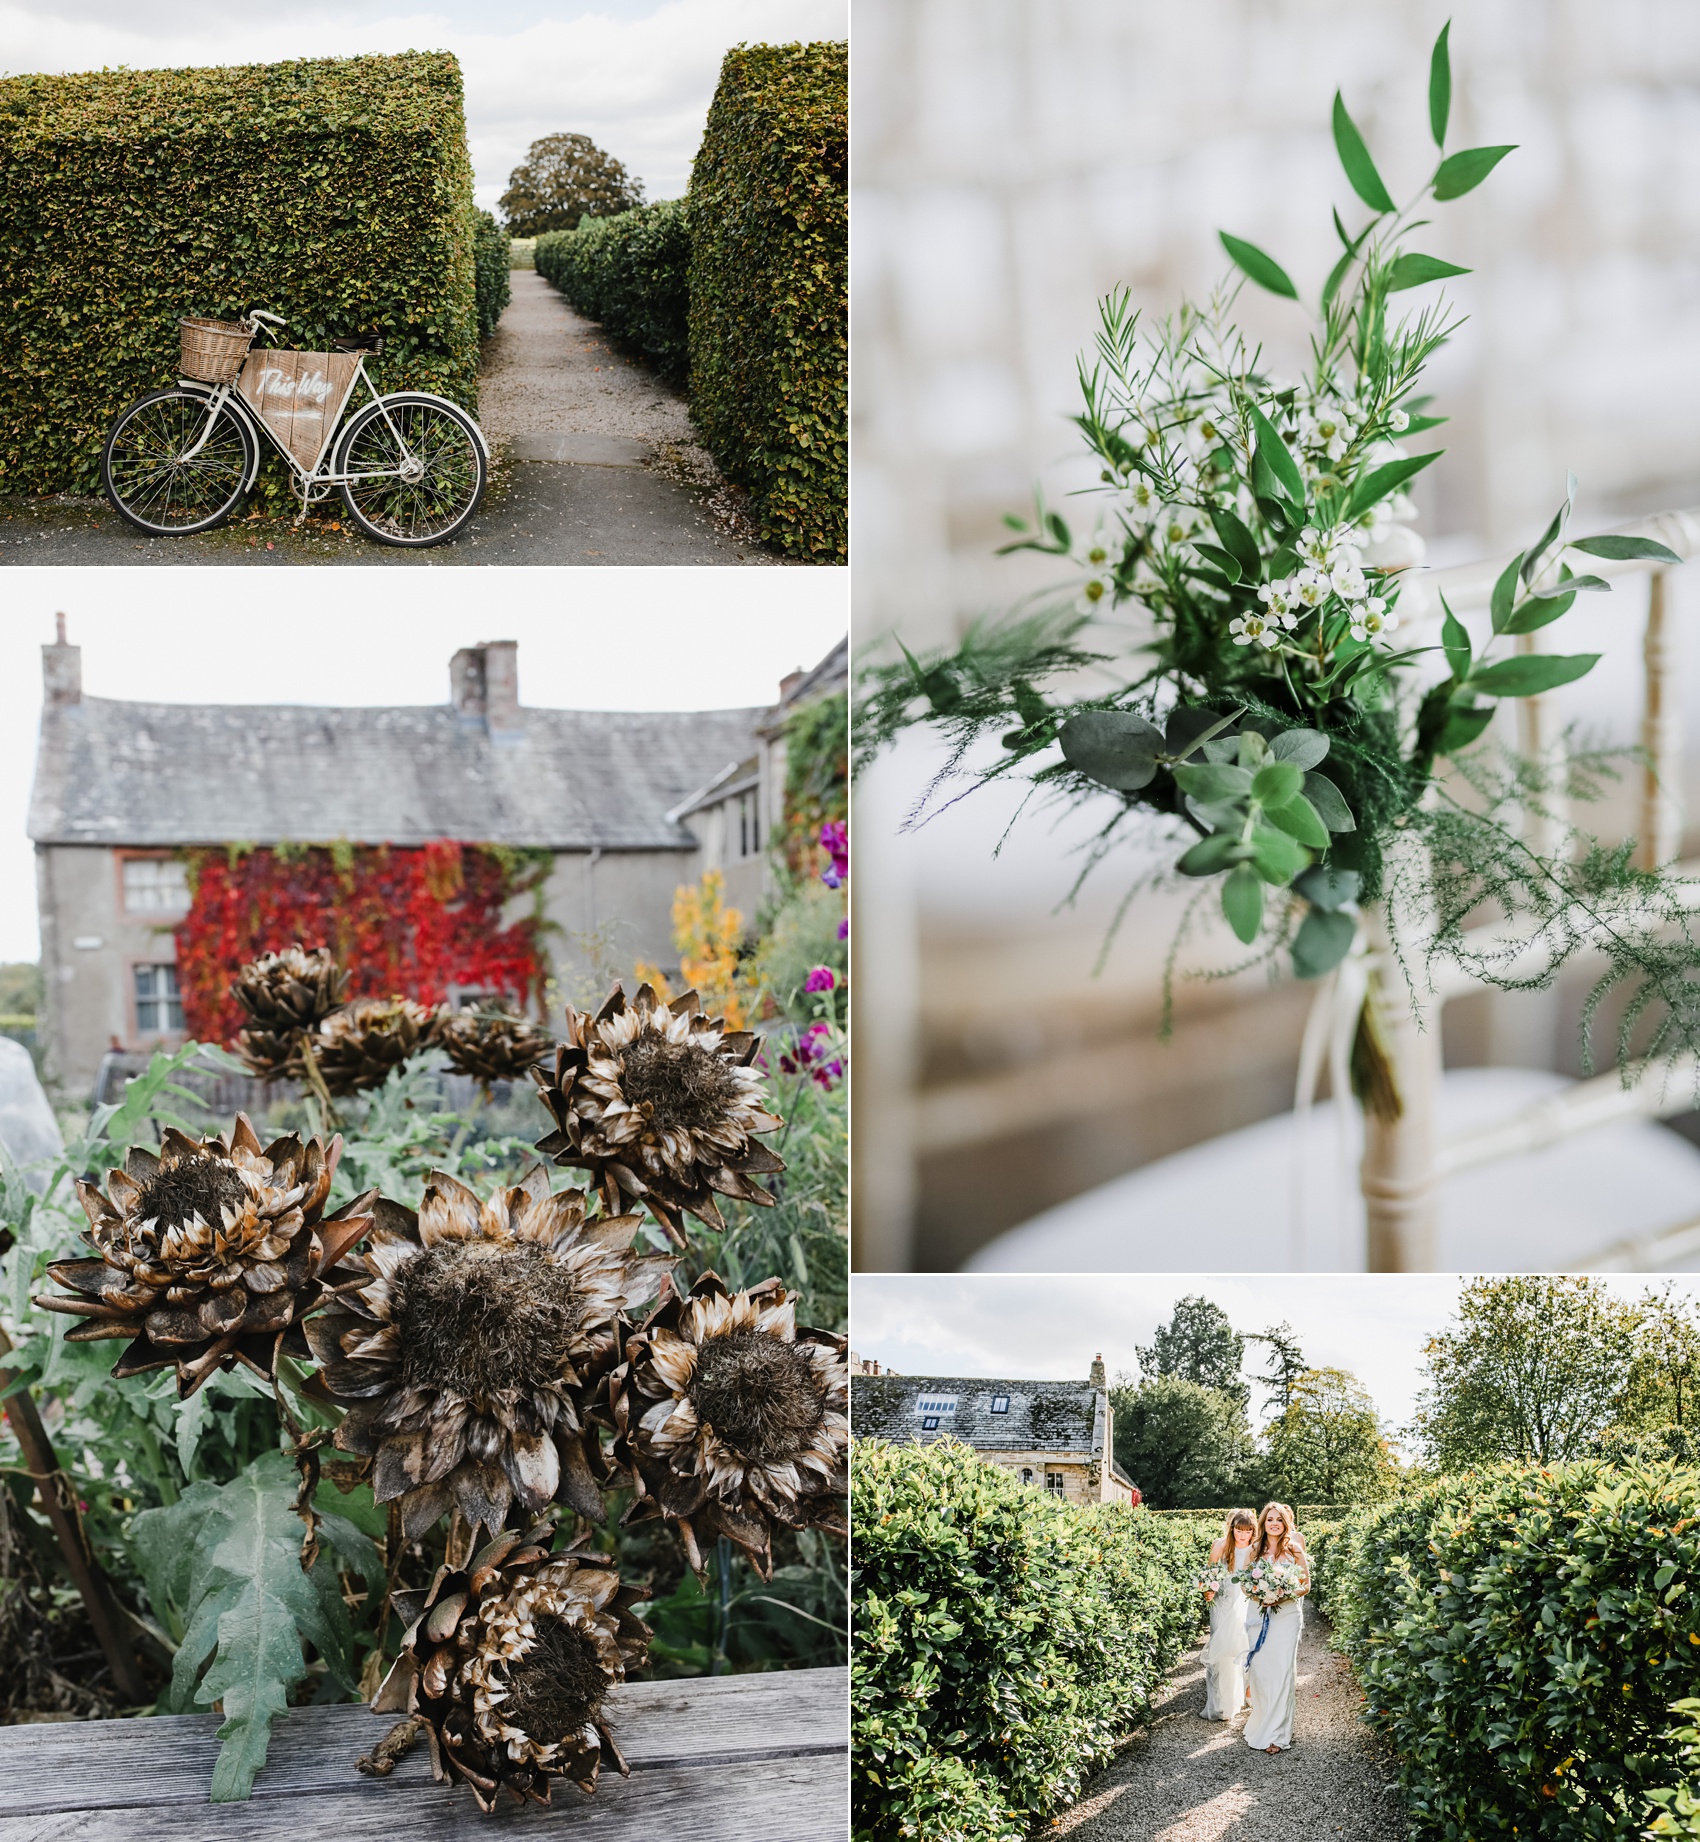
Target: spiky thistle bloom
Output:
[(661, 1105), (507, 1662), (471, 1351), (492, 1047), (283, 995), (208, 1253), (357, 1046), (733, 1419)]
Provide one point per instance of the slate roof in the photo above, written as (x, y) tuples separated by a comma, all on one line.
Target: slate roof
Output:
[(118, 773), (1064, 1418)]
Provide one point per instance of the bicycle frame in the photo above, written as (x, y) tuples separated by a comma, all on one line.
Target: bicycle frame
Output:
[(322, 480)]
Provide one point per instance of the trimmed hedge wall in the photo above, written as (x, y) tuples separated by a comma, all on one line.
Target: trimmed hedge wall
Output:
[(1003, 1641), (336, 192), (1520, 1637), (632, 274), (769, 276), (490, 272)]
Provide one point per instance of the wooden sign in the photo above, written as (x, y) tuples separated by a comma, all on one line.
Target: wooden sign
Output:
[(299, 396)]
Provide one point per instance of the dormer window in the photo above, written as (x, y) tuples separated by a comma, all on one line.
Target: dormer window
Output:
[(929, 1423), (1000, 1403)]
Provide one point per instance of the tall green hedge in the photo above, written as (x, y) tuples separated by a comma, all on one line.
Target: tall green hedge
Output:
[(335, 192), (1002, 1641), (769, 314), (1520, 1637), (632, 274), (490, 251)]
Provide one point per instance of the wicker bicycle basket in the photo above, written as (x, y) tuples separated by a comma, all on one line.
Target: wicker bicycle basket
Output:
[(213, 350)]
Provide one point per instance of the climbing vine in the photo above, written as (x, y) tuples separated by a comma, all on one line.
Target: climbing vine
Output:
[(412, 920)]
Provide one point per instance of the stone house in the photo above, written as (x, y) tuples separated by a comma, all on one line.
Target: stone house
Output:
[(1056, 1436), (632, 804)]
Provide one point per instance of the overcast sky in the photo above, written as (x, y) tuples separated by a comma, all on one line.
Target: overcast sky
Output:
[(589, 639), (635, 75), (1047, 1327)]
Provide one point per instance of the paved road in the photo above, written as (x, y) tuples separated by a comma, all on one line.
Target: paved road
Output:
[(576, 428), (1190, 1780)]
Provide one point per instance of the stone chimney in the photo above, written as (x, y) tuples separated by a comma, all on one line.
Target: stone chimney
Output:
[(1096, 1378), (484, 687), (789, 683), (62, 670)]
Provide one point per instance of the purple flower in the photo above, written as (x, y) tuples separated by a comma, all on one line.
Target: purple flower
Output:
[(844, 928), (835, 841), (820, 979)]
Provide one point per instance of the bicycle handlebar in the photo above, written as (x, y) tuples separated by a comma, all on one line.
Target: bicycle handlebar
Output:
[(277, 319)]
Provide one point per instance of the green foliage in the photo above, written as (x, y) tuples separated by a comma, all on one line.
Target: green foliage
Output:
[(490, 264), (631, 273), (769, 328), (1198, 1344), (337, 193), (1327, 1443), (1184, 1444), (817, 764), (800, 933), (1004, 1641), (564, 179), (226, 1559), (1520, 1637)]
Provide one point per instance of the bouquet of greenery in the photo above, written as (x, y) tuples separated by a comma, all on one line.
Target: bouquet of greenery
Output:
[(1211, 1578), (1247, 585), (1272, 1581)]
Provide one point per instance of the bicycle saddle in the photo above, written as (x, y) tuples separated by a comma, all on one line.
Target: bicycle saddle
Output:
[(358, 342)]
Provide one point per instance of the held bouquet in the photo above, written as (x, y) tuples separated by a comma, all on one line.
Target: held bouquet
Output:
[(1245, 591), (1212, 1577), (1272, 1582)]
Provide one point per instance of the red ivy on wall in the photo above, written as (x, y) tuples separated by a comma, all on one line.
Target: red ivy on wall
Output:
[(412, 921)]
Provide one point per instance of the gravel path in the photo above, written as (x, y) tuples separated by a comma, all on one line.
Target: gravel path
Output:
[(1186, 1779)]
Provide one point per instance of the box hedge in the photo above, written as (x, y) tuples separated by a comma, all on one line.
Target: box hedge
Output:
[(1520, 1637), (1003, 1641), (490, 263), (769, 324), (335, 192), (631, 273)]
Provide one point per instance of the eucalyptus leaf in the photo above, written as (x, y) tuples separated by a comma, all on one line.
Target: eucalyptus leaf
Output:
[(1211, 854), (1303, 747), (1210, 782), (1324, 939), (1277, 782), (1463, 172), (1264, 270), (1354, 157), (1329, 889), (1242, 902), (1440, 86), (1298, 819), (1329, 801), (1531, 673), (1276, 857), (1117, 748), (1625, 549), (1189, 727)]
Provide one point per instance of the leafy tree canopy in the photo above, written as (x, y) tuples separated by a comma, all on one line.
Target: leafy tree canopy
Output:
[(1198, 1344), (1327, 1445), (1286, 1364), (563, 178), (1185, 1445)]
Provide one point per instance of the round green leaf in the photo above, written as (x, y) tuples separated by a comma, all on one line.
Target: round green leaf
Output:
[(1114, 747), (1323, 940), (1242, 902), (1298, 819), (1211, 854), (1303, 747), (1276, 857), (1276, 782)]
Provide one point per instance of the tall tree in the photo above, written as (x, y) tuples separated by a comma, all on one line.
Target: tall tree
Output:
[(1198, 1344), (1186, 1446), (563, 178), (1535, 1368), (1327, 1445), (1286, 1364), (1664, 1384)]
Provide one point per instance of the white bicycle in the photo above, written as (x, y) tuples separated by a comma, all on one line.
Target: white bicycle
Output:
[(411, 467)]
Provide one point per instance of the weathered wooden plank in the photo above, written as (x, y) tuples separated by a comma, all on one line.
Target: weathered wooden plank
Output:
[(733, 1721), (788, 1800)]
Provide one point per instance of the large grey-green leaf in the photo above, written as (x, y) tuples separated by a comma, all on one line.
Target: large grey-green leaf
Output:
[(1303, 747), (1115, 747), (1329, 801)]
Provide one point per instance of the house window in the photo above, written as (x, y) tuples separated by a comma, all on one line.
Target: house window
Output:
[(159, 1009), (1054, 1483), (937, 1406), (749, 824), (1027, 1474), (930, 1423), (155, 886), (1000, 1403)]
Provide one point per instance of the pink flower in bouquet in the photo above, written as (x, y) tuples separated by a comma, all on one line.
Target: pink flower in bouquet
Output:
[(835, 841)]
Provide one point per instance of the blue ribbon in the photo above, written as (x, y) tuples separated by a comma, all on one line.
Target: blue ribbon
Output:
[(1260, 1637)]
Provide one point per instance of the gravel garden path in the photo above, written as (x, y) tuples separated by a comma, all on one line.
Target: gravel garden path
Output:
[(1185, 1779)]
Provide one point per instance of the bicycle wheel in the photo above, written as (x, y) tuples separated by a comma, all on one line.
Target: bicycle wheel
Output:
[(163, 477), (413, 470)]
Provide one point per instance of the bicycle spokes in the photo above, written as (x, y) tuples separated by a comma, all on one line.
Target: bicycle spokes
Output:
[(412, 470)]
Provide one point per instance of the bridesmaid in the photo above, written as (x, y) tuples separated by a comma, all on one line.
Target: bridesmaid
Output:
[(1274, 1670), (1224, 1654)]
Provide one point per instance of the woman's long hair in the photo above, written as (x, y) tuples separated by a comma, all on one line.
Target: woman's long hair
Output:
[(1292, 1543), (1235, 1518)]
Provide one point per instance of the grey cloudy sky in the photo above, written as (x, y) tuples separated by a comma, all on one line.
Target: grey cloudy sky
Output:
[(1048, 1326), (635, 75), (589, 639)]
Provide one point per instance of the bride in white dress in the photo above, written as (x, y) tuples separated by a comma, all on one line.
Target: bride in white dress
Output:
[(1273, 1672), (1224, 1653)]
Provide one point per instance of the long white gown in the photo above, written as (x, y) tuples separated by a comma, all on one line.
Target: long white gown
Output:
[(1274, 1674), (1224, 1652)]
